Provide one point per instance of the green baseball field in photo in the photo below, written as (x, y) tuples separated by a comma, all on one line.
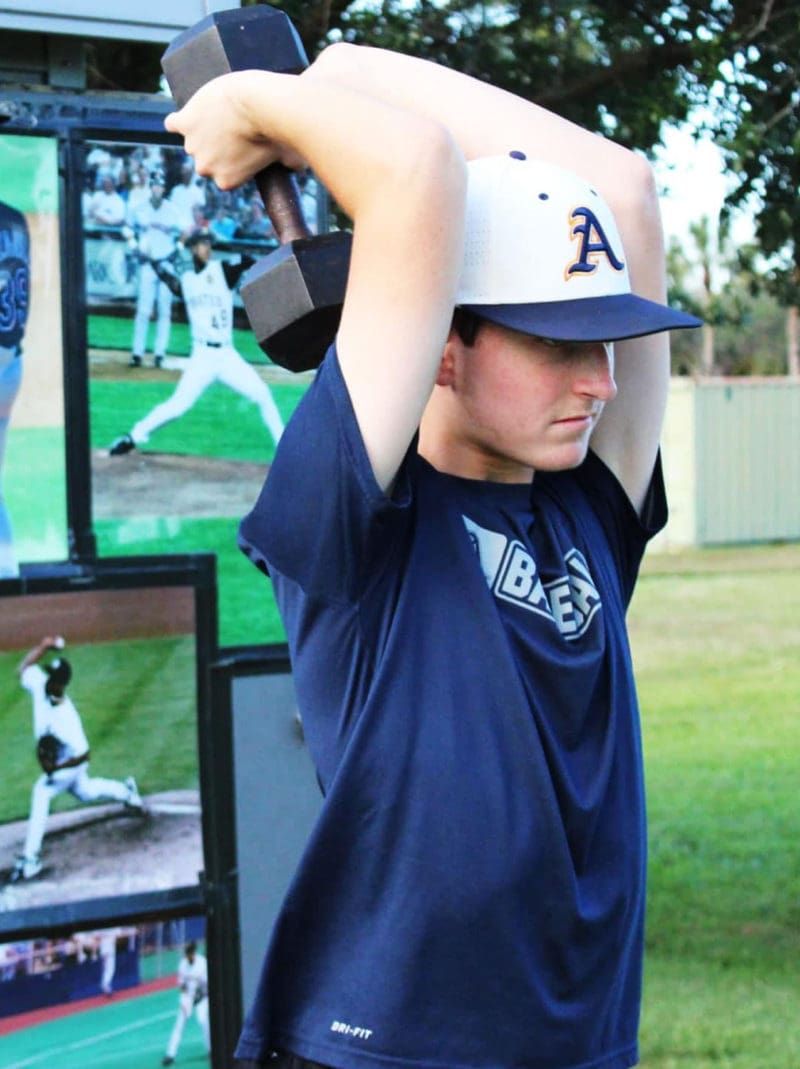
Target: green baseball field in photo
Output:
[(138, 705), (127, 1032), (223, 429), (115, 332)]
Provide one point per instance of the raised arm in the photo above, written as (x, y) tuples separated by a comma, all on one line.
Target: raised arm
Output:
[(486, 121), (401, 178), (49, 642), (234, 271)]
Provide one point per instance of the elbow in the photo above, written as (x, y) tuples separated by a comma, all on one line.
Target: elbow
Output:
[(430, 169), (643, 184), (649, 211), (337, 62), (628, 183), (435, 149), (634, 201)]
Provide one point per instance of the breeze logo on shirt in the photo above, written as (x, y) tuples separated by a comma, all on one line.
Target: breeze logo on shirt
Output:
[(570, 601)]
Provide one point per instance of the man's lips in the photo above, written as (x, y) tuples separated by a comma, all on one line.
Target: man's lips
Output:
[(581, 419)]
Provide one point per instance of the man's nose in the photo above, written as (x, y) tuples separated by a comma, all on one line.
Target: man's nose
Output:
[(596, 376)]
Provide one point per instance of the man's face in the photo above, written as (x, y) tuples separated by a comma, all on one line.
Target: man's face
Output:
[(156, 193), (201, 251), (522, 404)]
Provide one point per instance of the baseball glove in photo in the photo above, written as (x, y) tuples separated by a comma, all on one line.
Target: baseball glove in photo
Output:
[(49, 752)]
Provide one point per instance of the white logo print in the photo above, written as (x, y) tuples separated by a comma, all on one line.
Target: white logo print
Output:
[(511, 574), (350, 1030)]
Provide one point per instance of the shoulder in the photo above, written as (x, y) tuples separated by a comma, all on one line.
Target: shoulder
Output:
[(32, 677)]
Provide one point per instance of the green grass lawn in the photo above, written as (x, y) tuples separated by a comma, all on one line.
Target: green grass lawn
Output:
[(715, 636)]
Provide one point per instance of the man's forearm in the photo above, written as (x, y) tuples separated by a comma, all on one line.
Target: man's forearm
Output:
[(169, 278), (485, 121), (36, 654)]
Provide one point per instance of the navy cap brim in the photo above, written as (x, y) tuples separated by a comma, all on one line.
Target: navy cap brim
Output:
[(609, 318)]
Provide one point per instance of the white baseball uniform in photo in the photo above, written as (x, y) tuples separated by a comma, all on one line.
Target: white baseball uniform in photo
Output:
[(157, 228), (193, 982), (59, 717), (209, 306), (107, 949)]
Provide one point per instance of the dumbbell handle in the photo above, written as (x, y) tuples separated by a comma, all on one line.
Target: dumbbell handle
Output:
[(278, 188)]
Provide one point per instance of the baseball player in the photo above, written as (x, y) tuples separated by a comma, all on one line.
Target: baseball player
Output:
[(62, 750), (453, 526), (14, 294), (207, 293), (193, 984), (155, 225), (107, 952)]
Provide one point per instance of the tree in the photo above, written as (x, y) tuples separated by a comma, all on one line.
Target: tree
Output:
[(757, 125), (619, 67), (723, 298)]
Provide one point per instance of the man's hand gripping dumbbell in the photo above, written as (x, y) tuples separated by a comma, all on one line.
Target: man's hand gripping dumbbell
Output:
[(293, 296)]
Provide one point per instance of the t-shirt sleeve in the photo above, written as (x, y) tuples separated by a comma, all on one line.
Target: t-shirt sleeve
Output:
[(321, 519), (626, 532)]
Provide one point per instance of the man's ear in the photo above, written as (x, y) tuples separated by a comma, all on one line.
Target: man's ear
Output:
[(452, 349)]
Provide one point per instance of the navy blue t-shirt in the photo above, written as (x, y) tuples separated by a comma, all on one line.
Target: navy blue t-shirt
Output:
[(472, 894)]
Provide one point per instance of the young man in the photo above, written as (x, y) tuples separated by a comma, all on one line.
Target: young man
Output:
[(65, 761), (453, 564), (207, 294)]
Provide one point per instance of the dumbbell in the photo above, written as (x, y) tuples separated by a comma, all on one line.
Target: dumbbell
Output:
[(293, 297)]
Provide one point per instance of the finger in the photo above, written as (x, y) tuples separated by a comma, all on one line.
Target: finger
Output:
[(172, 122)]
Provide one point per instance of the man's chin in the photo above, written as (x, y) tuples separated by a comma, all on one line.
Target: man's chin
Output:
[(564, 458)]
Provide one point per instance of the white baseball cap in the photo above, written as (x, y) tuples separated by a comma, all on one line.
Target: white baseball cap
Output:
[(543, 256)]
